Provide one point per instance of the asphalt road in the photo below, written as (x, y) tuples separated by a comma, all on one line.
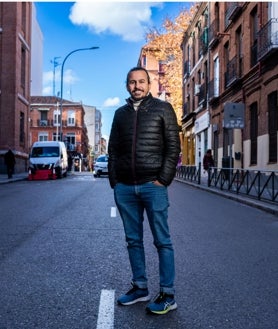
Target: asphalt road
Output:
[(63, 260)]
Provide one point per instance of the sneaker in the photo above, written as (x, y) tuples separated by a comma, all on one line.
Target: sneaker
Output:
[(134, 295), (162, 304)]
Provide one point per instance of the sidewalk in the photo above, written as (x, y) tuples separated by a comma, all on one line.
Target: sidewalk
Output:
[(16, 177)]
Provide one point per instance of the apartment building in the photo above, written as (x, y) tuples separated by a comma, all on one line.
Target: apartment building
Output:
[(15, 39), (230, 84), (46, 123), (196, 130), (156, 71), (97, 144), (98, 135)]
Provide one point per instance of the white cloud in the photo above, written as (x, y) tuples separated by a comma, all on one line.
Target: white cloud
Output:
[(126, 19), (47, 77), (69, 78), (47, 90), (110, 102)]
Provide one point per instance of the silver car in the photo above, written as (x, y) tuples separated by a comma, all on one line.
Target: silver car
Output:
[(101, 166)]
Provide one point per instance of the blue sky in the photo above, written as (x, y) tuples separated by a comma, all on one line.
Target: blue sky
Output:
[(97, 77)]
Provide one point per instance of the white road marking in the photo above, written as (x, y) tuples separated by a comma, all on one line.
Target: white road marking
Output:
[(113, 212), (106, 310)]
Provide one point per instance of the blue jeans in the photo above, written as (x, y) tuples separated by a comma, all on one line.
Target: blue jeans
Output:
[(131, 201)]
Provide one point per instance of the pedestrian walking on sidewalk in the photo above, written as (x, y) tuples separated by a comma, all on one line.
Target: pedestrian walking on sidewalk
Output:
[(9, 159), (208, 161), (143, 149)]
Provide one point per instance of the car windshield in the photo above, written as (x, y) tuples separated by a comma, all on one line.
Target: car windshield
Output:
[(45, 151), (102, 159)]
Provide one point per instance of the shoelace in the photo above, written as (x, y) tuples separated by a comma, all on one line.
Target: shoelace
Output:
[(132, 290), (159, 298)]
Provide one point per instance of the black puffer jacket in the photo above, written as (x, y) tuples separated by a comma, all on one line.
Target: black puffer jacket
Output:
[(144, 145)]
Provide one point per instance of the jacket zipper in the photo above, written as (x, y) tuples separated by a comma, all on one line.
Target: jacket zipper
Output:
[(134, 147)]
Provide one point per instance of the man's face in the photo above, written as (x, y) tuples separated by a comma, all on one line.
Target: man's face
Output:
[(138, 85)]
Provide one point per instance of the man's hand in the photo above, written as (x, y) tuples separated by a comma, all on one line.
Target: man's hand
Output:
[(156, 182)]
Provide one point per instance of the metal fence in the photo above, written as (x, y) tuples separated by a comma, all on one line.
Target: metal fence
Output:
[(258, 184)]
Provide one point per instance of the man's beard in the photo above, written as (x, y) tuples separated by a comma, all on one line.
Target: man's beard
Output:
[(138, 98)]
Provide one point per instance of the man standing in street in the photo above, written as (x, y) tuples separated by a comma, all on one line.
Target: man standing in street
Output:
[(143, 149)]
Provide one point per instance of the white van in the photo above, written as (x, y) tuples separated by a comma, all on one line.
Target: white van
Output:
[(48, 160)]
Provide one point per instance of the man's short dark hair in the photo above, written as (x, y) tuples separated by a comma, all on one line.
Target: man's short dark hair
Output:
[(137, 68)]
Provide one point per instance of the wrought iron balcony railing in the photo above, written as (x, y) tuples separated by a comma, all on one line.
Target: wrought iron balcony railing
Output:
[(213, 33), (234, 70), (268, 38)]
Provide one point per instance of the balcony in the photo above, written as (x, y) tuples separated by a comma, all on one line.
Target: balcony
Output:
[(184, 111), (234, 71), (233, 11), (268, 39), (43, 123), (213, 30), (202, 94), (186, 69), (213, 89), (204, 42)]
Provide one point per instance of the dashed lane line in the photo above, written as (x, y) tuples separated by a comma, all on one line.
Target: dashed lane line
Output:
[(113, 212), (106, 310)]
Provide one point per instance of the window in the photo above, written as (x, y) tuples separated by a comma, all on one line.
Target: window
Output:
[(56, 137), (253, 132), (193, 49), (227, 64), (23, 69), (273, 125), (189, 59), (226, 141), (239, 51), (144, 60), (56, 117), (43, 121), (21, 127), (193, 93), (253, 37), (43, 152), (43, 137), (216, 76), (70, 141), (24, 17), (71, 118), (217, 15), (96, 148)]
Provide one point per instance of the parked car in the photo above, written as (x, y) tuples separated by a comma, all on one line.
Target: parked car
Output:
[(101, 166)]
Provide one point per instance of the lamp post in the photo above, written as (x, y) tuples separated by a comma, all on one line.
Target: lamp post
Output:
[(62, 77)]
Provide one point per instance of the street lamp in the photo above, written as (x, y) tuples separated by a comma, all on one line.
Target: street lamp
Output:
[(62, 77)]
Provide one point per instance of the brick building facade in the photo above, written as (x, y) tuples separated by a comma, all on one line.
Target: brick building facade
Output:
[(230, 58), (15, 38), (45, 123)]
